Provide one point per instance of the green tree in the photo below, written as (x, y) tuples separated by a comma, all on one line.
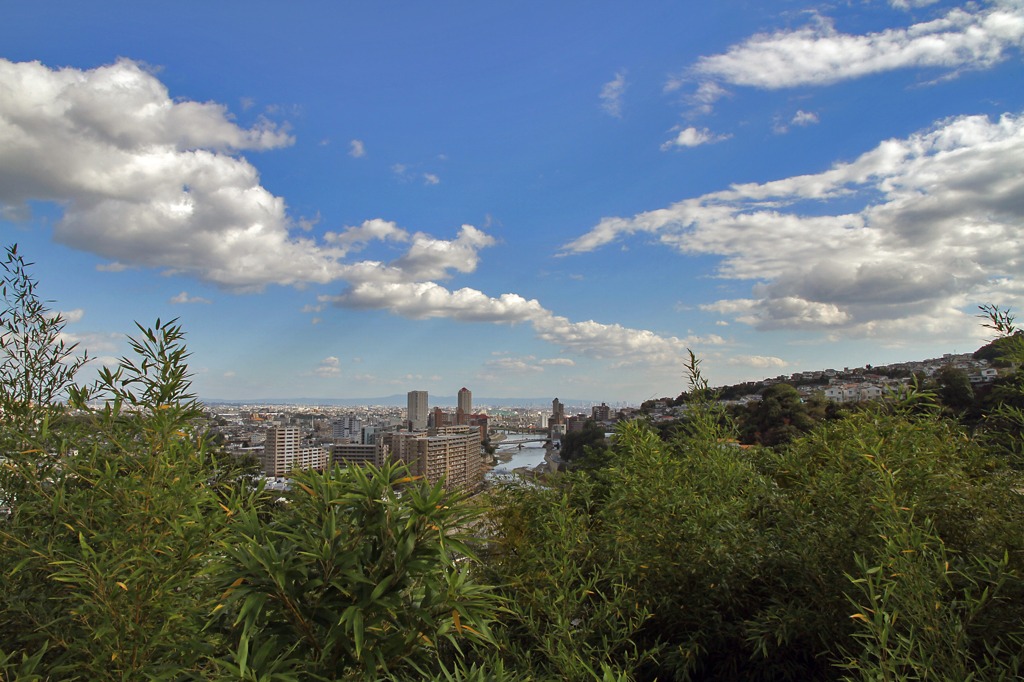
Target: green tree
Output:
[(955, 390), (362, 573), (585, 447), (779, 417)]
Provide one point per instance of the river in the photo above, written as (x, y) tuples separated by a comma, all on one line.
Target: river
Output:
[(530, 456)]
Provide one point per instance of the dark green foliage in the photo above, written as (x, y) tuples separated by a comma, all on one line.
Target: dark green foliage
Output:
[(586, 447), (358, 575), (955, 390), (779, 417), (106, 546), (724, 563), (996, 351)]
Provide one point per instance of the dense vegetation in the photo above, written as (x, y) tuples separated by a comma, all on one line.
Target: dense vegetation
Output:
[(885, 544)]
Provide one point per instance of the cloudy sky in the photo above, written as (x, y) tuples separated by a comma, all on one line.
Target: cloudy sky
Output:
[(529, 199)]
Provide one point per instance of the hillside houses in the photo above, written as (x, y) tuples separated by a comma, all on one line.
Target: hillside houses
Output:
[(852, 385)]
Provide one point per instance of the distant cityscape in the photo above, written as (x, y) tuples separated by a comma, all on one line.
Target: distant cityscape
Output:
[(452, 444)]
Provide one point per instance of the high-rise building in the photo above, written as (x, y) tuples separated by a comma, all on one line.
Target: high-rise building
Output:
[(465, 401), (283, 452), (417, 414), (556, 422), (558, 410)]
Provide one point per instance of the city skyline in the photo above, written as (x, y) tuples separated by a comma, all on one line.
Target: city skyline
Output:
[(532, 200)]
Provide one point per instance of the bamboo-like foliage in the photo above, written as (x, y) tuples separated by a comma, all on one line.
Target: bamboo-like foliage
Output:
[(106, 547), (37, 365), (361, 573)]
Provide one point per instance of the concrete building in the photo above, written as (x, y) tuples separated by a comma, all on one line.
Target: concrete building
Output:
[(465, 406), (451, 454), (348, 426), (418, 412), (283, 452), (355, 454), (556, 422)]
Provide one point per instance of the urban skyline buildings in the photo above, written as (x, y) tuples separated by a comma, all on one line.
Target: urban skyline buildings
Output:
[(417, 410)]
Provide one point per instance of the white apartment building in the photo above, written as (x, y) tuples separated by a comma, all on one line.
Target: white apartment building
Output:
[(283, 453)]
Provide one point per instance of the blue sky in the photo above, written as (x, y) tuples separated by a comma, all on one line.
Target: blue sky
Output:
[(529, 199)]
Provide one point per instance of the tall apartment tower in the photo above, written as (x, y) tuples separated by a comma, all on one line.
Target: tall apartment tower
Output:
[(283, 452), (417, 415), (558, 410), (466, 400), (465, 406)]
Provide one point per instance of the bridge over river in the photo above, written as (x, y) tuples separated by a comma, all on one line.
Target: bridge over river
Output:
[(519, 442)]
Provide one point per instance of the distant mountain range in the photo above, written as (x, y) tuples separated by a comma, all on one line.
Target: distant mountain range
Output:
[(400, 400)]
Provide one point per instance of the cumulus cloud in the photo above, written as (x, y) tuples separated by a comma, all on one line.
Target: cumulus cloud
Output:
[(431, 179), (430, 258), (757, 361), (558, 362), (818, 54), (612, 93), (328, 367), (804, 118), (937, 230), (692, 137), (355, 238), (184, 297), (356, 149), (146, 179)]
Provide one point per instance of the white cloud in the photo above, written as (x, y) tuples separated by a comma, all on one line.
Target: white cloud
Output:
[(328, 367), (558, 362), (910, 4), (430, 258), (757, 361), (804, 118), (184, 297), (937, 231), (515, 365), (612, 93), (72, 316), (818, 54), (355, 238), (431, 179), (692, 137), (422, 300), (356, 149), (147, 180)]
